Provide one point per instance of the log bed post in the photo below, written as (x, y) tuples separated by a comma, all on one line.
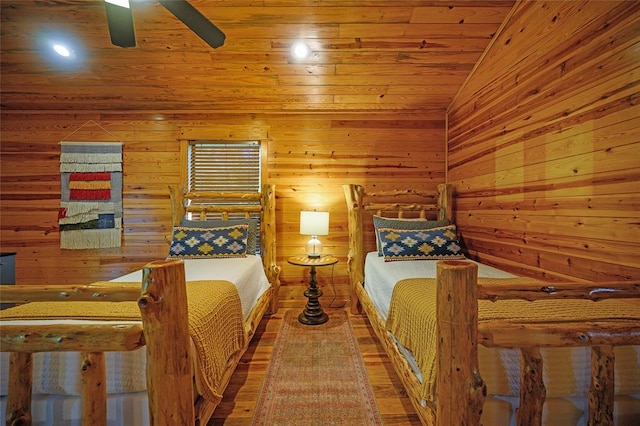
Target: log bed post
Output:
[(445, 202), (355, 258), (177, 205), (268, 239), (460, 389), (163, 306)]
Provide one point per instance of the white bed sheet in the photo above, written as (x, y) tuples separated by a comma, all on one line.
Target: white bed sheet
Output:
[(58, 373), (500, 368), (246, 273), (381, 276)]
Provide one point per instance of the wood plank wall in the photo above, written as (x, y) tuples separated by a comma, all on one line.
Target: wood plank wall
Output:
[(309, 157), (543, 148), (544, 143)]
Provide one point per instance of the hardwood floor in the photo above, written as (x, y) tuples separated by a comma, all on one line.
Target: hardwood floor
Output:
[(242, 393)]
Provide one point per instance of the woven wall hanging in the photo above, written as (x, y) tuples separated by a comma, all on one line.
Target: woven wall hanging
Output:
[(90, 213)]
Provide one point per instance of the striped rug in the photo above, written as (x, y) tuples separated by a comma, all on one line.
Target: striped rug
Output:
[(316, 376)]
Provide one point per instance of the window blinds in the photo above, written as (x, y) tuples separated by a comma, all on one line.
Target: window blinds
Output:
[(224, 166)]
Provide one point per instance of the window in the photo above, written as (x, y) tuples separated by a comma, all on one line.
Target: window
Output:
[(224, 166)]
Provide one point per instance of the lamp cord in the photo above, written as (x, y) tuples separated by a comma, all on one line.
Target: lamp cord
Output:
[(333, 287)]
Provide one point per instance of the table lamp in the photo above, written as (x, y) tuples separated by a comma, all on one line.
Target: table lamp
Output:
[(314, 224)]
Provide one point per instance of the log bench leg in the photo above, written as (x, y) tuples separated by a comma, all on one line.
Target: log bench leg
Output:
[(94, 389), (601, 392), (20, 380), (532, 390)]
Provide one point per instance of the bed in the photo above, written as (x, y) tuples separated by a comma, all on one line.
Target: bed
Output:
[(156, 346), (473, 344)]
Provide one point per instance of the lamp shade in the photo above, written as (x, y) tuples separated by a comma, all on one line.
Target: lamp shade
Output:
[(314, 223)]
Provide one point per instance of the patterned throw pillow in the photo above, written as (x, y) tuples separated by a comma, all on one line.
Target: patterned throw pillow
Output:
[(404, 224), (420, 244), (203, 243), (252, 237)]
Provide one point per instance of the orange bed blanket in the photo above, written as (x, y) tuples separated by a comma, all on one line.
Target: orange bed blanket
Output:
[(215, 324), (412, 318)]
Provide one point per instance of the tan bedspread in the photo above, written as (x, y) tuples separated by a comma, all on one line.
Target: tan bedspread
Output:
[(215, 323), (412, 317)]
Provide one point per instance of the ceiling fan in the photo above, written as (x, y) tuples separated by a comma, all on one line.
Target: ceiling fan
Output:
[(122, 33)]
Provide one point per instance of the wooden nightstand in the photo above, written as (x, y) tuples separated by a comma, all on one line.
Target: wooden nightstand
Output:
[(313, 313)]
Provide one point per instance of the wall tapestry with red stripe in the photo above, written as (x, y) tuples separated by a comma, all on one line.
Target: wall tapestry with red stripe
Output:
[(91, 185)]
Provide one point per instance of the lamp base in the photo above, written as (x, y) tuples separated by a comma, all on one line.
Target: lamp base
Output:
[(313, 247), (313, 313)]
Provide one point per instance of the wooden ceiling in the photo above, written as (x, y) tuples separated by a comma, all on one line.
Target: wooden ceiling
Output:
[(371, 55)]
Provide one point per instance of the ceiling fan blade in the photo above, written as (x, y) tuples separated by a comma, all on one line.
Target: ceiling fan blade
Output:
[(120, 20), (193, 19)]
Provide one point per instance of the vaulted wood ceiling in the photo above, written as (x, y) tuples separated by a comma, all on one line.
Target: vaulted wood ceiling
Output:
[(399, 55)]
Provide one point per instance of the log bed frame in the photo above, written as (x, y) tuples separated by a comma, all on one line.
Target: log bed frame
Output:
[(460, 388), (173, 399)]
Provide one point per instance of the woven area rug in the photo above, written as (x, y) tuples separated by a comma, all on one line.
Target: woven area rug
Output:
[(316, 376)]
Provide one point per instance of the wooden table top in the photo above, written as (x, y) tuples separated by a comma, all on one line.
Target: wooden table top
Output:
[(304, 260)]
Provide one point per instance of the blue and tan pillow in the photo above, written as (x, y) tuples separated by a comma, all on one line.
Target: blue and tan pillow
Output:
[(252, 237), (204, 243), (420, 244), (403, 224)]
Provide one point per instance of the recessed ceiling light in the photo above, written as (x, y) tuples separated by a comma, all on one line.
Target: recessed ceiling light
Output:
[(61, 50), (300, 50)]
